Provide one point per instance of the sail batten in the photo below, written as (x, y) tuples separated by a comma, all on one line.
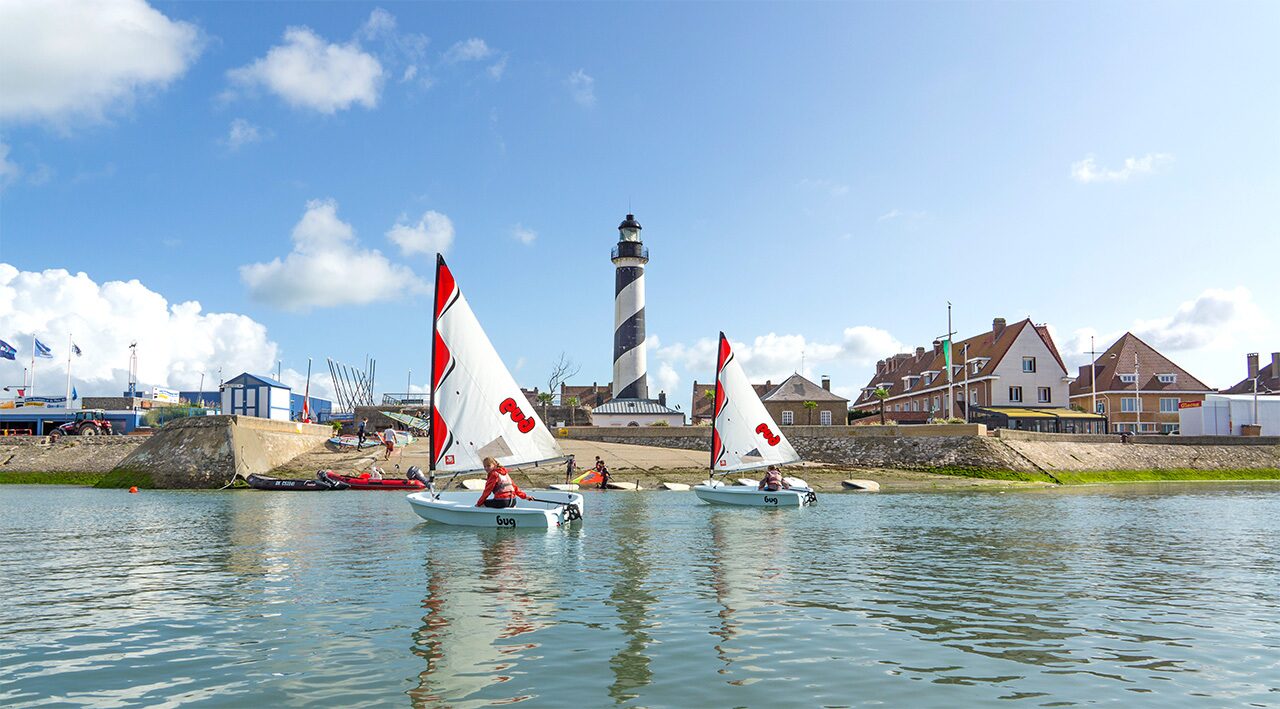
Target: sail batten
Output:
[(477, 409), (744, 436)]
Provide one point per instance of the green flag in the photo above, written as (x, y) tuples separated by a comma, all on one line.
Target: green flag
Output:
[(946, 353)]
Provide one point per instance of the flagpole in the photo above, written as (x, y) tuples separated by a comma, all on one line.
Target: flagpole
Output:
[(67, 404), (31, 391), (306, 395)]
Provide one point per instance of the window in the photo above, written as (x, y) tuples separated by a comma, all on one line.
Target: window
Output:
[(1130, 404), (1015, 395), (788, 418), (1123, 427), (1169, 428), (1044, 395), (1029, 364), (1100, 408), (1128, 378), (1169, 405), (897, 407), (973, 397), (915, 406), (1168, 378), (824, 418)]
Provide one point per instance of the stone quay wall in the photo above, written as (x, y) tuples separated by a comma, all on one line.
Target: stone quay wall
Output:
[(70, 454), (967, 446)]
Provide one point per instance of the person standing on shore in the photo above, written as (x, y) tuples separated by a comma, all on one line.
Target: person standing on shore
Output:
[(360, 432), (389, 440), (569, 467), (603, 470)]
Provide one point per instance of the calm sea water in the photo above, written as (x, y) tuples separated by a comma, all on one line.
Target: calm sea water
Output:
[(1155, 596)]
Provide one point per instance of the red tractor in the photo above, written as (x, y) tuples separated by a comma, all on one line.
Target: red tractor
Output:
[(89, 422)]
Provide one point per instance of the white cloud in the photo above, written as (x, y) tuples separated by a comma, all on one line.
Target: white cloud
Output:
[(409, 72), (497, 69), (380, 24), (891, 214), (831, 187), (776, 357), (582, 88), (325, 255), (524, 235), (668, 380), (66, 61), (468, 50), (177, 342), (1088, 170), (432, 234), (242, 133), (1215, 315), (9, 171), (308, 72)]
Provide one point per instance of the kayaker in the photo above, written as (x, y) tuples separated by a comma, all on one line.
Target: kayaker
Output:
[(504, 490), (773, 480)]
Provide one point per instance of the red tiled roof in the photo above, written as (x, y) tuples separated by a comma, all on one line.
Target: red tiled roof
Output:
[(701, 408), (1118, 360), (986, 345)]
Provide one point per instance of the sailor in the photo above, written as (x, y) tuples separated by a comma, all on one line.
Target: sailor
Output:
[(500, 484), (773, 480)]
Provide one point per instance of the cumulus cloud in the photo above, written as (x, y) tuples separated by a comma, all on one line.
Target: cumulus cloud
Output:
[(1212, 316), (524, 235), (177, 342), (308, 72), (468, 50), (582, 87), (242, 133), (66, 61), (325, 258), (1088, 170), (432, 234)]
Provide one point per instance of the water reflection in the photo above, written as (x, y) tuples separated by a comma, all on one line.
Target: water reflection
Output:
[(631, 599)]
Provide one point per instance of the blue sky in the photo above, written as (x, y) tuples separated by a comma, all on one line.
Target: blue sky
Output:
[(811, 177)]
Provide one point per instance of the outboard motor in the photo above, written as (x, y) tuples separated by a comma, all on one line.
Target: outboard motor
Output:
[(415, 473)]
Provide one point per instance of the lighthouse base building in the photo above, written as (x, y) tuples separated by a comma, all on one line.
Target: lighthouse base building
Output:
[(631, 405)]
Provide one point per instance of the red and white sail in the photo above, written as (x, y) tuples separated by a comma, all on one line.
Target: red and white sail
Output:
[(478, 410), (743, 436)]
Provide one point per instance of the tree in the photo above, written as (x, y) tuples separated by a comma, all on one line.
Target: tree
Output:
[(572, 402), (545, 399), (561, 371), (810, 406), (881, 394)]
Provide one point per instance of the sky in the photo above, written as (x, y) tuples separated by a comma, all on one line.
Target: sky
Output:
[(233, 185)]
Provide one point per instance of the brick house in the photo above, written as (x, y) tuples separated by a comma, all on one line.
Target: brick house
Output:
[(784, 402), (1008, 367), (1268, 377), (1161, 385), (589, 396)]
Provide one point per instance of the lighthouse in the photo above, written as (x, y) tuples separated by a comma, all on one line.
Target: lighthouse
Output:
[(629, 367)]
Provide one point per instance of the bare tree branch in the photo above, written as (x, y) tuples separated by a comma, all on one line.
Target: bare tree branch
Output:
[(561, 371)]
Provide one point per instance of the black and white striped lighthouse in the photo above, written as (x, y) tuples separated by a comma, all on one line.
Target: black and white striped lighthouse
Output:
[(629, 258)]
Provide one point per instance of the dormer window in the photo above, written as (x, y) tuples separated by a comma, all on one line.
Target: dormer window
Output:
[(1128, 378), (1168, 378)]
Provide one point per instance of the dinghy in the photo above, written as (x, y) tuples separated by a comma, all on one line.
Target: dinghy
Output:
[(478, 412), (318, 484), (745, 437), (365, 481)]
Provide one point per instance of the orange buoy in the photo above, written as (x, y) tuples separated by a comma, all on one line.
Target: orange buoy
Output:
[(133, 489)]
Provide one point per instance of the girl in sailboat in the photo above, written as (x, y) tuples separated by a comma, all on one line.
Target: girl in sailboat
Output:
[(773, 480), (501, 485)]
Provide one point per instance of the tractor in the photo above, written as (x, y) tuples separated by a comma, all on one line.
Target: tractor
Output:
[(89, 422)]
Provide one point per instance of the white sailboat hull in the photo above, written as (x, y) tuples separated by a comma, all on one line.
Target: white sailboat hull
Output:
[(459, 509), (751, 497)]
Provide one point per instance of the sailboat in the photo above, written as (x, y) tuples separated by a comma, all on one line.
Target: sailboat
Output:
[(745, 437), (478, 411)]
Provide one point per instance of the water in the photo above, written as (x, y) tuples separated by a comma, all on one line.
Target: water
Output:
[(1154, 595)]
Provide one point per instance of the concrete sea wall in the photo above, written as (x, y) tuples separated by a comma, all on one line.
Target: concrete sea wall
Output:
[(208, 451)]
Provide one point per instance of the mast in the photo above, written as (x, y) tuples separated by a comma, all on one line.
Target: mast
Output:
[(715, 405), (431, 377)]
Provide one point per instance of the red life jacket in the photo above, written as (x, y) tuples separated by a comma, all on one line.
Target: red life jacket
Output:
[(503, 489)]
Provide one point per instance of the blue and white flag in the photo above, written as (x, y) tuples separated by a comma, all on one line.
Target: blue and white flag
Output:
[(74, 394), (42, 350), (75, 349), (7, 350)]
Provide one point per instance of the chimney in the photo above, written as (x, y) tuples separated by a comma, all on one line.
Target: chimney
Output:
[(1252, 361), (826, 382), (879, 367), (997, 327), (1275, 364), (937, 346), (662, 398), (919, 352)]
